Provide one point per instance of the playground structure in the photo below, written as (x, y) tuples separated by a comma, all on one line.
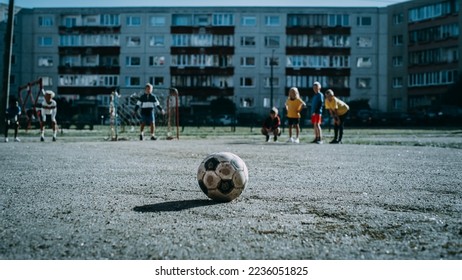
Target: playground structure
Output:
[(122, 113)]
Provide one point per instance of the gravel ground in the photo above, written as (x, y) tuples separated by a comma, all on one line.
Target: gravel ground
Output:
[(140, 200)]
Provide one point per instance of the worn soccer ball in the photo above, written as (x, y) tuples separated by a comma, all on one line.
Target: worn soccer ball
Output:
[(222, 176)]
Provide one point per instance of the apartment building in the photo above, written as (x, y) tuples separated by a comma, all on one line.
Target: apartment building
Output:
[(250, 55), (424, 52)]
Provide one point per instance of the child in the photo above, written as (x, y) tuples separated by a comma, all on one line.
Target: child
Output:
[(148, 101), (271, 125), (12, 115), (316, 112), (294, 106), (338, 111), (49, 109)]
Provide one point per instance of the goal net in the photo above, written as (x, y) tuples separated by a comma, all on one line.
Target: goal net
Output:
[(123, 118)]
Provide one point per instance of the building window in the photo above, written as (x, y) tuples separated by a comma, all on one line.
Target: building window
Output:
[(338, 61), (275, 61), (157, 41), (364, 42), (45, 21), (157, 21), (110, 20), (339, 20), (45, 61), (364, 21), (397, 61), (247, 102), (248, 21), (132, 81), (272, 41), (133, 21), (223, 20), (47, 81), (432, 11), (70, 21), (364, 62), (272, 21), (397, 103), (133, 41), (248, 61), (398, 40), (201, 20), (398, 18), (267, 82), (90, 60), (156, 60), (397, 82), (248, 41), (247, 82), (132, 61), (156, 81), (91, 20), (44, 41), (363, 82), (181, 20)]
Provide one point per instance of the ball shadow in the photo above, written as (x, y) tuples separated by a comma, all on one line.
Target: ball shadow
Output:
[(172, 206)]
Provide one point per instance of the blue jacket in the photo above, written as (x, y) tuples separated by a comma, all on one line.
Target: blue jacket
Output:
[(316, 103)]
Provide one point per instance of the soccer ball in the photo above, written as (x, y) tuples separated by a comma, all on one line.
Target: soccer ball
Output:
[(222, 176)]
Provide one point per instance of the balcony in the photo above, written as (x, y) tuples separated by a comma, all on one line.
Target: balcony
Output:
[(89, 30), (89, 70)]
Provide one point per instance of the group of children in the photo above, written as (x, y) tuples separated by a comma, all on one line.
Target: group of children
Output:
[(271, 126), (47, 116), (294, 105)]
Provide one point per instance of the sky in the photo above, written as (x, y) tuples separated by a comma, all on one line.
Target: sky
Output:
[(186, 3)]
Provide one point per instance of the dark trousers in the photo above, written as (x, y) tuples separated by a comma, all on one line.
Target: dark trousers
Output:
[(338, 128)]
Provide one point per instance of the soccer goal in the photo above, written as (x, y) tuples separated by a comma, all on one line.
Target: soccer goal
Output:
[(167, 125)]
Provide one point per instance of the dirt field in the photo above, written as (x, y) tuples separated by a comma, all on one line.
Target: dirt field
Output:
[(140, 200)]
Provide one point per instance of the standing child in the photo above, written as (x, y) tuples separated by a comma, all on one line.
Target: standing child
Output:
[(48, 114), (294, 106), (148, 101), (271, 125), (12, 119), (316, 112)]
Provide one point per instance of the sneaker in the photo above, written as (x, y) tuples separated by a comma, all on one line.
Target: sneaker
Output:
[(319, 142), (6, 140), (275, 139), (17, 139), (291, 140), (267, 138), (141, 137), (54, 138), (314, 141), (42, 139), (334, 142), (153, 137), (297, 140)]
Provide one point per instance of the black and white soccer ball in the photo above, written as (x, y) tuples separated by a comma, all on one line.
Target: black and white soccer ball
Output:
[(222, 176)]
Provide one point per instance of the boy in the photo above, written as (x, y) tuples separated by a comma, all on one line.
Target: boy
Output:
[(148, 102), (271, 125), (49, 108), (316, 112), (12, 118)]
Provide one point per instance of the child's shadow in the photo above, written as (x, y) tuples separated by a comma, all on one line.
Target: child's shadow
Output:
[(174, 205)]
